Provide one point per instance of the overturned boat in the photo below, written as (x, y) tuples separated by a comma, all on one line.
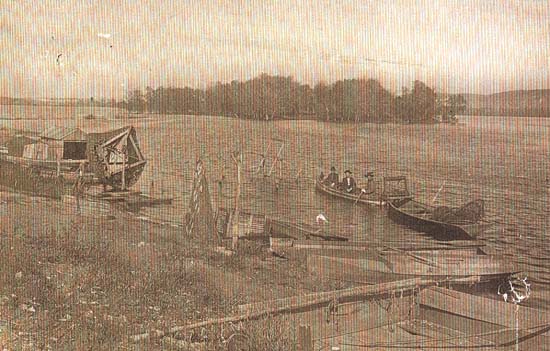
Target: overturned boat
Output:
[(111, 158)]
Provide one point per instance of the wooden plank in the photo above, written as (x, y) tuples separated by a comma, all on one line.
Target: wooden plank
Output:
[(246, 225), (494, 334), (479, 308), (300, 231), (439, 336), (363, 245), (297, 304), (392, 267), (326, 268), (291, 304), (357, 317)]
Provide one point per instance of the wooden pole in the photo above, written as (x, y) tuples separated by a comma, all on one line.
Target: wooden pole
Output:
[(298, 303), (58, 161), (305, 341), (436, 195), (124, 168), (276, 159), (236, 218)]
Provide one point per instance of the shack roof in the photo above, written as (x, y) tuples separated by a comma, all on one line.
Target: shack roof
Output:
[(63, 133)]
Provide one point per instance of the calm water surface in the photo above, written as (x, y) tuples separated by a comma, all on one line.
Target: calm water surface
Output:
[(504, 160)]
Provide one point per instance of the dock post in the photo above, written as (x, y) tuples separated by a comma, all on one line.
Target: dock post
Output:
[(123, 168), (305, 341), (58, 163), (238, 158)]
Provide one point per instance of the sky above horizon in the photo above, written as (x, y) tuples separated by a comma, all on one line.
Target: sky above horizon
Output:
[(76, 48)]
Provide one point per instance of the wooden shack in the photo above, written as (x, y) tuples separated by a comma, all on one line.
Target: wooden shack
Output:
[(64, 143)]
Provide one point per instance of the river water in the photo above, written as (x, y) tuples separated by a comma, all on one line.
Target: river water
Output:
[(503, 160)]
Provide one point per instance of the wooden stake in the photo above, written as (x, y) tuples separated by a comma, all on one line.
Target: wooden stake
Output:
[(276, 159), (236, 217), (58, 173), (124, 168), (305, 341)]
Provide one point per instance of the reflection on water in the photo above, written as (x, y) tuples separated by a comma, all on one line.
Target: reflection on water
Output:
[(503, 160)]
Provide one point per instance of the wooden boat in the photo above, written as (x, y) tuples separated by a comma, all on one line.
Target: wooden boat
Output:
[(395, 188), (462, 266), (111, 158), (424, 218), (258, 226), (409, 314), (357, 197)]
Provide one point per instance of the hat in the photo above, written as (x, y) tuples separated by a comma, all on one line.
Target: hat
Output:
[(347, 171), (333, 168), (369, 174)]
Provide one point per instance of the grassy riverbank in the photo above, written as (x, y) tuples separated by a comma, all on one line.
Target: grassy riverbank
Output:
[(88, 282)]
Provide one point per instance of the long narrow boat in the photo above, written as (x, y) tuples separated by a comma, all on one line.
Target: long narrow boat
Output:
[(395, 188), (412, 314), (368, 199), (459, 267), (423, 218)]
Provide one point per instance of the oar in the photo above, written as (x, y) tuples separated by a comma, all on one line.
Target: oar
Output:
[(360, 194), (436, 195)]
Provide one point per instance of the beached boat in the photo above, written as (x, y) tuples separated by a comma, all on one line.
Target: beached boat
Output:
[(110, 158), (408, 314), (442, 223), (413, 314), (258, 226), (460, 267)]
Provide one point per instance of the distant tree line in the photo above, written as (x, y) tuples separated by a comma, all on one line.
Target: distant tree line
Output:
[(275, 97)]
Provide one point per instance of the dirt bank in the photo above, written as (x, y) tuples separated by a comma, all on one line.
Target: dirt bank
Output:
[(91, 280)]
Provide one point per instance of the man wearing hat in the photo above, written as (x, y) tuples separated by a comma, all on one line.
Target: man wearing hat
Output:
[(332, 178), (348, 183), (370, 183)]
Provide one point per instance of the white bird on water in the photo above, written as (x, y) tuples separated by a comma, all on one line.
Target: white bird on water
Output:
[(321, 219)]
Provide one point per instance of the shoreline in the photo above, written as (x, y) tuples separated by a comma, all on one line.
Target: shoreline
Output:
[(132, 275)]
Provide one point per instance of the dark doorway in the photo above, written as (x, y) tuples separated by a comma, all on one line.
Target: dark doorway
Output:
[(74, 150)]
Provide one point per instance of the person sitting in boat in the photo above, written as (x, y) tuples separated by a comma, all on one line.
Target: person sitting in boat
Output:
[(370, 183), (332, 178), (348, 183)]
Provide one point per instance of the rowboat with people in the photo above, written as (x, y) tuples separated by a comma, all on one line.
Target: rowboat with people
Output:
[(395, 188), (347, 188), (360, 196)]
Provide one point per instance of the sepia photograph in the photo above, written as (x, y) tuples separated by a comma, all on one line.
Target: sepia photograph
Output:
[(274, 175)]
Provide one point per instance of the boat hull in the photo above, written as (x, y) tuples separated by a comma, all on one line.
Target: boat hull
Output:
[(458, 268), (258, 226), (367, 199), (438, 230), (406, 315)]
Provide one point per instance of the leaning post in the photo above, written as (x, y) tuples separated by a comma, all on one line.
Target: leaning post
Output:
[(238, 159)]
